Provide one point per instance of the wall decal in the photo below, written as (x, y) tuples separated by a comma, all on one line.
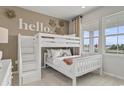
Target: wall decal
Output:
[(10, 13), (61, 23), (52, 27), (38, 26), (52, 23)]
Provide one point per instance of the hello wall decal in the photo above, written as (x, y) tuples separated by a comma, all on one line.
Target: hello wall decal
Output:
[(38, 26)]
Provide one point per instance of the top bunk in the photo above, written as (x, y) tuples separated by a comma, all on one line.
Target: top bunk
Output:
[(52, 40)]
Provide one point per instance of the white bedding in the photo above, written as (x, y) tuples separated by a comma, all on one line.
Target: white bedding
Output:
[(60, 63), (55, 53)]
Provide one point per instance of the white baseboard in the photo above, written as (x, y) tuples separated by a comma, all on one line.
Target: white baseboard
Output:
[(113, 75)]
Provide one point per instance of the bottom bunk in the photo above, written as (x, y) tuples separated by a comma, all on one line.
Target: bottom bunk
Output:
[(79, 66)]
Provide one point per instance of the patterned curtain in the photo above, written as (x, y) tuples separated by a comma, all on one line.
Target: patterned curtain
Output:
[(77, 24)]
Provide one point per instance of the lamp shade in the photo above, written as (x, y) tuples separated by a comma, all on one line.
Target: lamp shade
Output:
[(3, 35)]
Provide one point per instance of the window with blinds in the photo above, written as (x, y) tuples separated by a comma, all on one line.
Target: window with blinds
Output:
[(114, 33)]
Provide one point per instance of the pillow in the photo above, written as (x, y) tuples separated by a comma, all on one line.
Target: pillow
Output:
[(66, 52), (56, 53)]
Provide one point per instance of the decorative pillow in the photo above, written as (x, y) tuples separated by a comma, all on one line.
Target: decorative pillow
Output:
[(66, 52), (56, 53), (68, 61)]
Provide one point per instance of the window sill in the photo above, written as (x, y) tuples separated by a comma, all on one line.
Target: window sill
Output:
[(117, 55)]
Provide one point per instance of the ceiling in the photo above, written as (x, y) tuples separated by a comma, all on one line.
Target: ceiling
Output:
[(63, 12)]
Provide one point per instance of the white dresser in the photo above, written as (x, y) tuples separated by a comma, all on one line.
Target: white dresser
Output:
[(5, 72)]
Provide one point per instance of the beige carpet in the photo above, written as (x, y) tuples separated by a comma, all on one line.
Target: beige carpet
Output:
[(51, 77)]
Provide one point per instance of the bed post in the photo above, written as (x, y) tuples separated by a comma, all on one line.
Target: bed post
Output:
[(45, 59), (19, 60), (74, 81), (100, 69)]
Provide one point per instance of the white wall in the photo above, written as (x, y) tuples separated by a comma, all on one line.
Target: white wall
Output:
[(113, 65), (101, 12)]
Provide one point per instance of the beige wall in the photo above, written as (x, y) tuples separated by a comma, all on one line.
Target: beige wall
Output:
[(10, 49)]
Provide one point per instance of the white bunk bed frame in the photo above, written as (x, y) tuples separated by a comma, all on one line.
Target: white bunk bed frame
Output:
[(51, 40), (82, 65), (41, 40)]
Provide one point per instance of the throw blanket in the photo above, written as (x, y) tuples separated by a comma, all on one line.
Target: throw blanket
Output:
[(68, 61)]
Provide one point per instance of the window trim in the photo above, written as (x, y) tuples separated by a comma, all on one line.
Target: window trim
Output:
[(120, 34)]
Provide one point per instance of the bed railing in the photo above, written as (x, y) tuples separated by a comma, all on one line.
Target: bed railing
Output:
[(50, 40), (87, 64), (80, 66)]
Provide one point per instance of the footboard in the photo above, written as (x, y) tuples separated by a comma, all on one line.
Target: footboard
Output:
[(80, 66), (87, 64)]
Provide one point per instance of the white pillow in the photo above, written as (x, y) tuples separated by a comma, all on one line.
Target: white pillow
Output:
[(56, 53), (66, 52)]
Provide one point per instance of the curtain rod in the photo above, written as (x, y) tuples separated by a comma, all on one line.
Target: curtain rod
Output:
[(77, 17)]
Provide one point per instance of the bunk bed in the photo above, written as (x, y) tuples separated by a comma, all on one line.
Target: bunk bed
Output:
[(81, 64), (30, 53), (30, 57)]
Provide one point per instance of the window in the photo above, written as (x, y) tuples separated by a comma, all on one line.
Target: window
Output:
[(115, 40), (121, 44), (86, 41), (95, 41), (114, 34), (91, 41), (91, 36), (111, 44)]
